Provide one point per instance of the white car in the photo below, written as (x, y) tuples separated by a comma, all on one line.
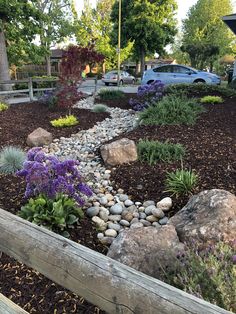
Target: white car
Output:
[(112, 78), (175, 74)]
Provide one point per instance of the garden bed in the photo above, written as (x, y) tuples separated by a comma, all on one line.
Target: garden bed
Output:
[(210, 151), (20, 120)]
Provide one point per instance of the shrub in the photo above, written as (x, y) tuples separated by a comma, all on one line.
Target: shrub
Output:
[(64, 122), (67, 95), (152, 151), (208, 273), (181, 182), (3, 107), (200, 88), (49, 99), (147, 95), (11, 159), (211, 100), (55, 214), (110, 94), (172, 110), (99, 108), (48, 176)]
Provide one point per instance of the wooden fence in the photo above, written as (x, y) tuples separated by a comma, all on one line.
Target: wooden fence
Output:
[(110, 285)]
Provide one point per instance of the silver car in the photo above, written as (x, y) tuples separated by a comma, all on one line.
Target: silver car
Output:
[(175, 74), (112, 78)]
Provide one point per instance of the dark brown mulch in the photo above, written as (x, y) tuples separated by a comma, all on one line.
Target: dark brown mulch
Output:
[(25, 286), (122, 103), (20, 120), (211, 152)]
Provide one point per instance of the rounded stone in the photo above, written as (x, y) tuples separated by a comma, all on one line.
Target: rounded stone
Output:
[(92, 211), (103, 214), (145, 222), (141, 209), (123, 197), (165, 204), (103, 200), (124, 223), (116, 227), (109, 197), (142, 215), (148, 203), (158, 213), (114, 217), (163, 221), (111, 233), (100, 224), (110, 203), (136, 225), (107, 240), (128, 203), (151, 218), (136, 215), (116, 209), (100, 235), (134, 220), (127, 216), (148, 210)]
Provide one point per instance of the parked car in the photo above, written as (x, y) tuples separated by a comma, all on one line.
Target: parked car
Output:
[(112, 78), (175, 73)]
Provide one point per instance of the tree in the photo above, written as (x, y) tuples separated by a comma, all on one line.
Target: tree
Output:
[(18, 25), (150, 24), (205, 36), (94, 27), (55, 26)]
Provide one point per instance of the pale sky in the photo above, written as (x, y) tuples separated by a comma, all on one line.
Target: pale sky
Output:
[(183, 6)]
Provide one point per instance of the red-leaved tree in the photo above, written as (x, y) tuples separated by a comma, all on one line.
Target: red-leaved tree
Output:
[(74, 61)]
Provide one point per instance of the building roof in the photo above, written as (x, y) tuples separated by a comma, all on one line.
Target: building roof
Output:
[(230, 20), (56, 53)]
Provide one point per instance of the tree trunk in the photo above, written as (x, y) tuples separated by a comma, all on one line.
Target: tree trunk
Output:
[(4, 66), (48, 62), (137, 68), (142, 61)]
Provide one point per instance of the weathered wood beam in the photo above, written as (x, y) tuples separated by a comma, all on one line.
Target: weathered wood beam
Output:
[(110, 285), (8, 307)]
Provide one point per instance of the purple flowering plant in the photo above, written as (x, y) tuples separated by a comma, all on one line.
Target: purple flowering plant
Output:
[(147, 95), (47, 175)]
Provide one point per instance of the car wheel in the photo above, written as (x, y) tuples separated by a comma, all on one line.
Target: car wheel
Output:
[(121, 83), (150, 82), (133, 82), (199, 81), (107, 84)]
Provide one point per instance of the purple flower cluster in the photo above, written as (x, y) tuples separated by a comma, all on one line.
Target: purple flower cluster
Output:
[(147, 95), (49, 176)]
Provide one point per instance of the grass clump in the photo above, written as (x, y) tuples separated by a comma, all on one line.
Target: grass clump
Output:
[(208, 273), (211, 100), (154, 151), (3, 107), (65, 122), (172, 109), (110, 94), (55, 214), (199, 88), (11, 159), (181, 182), (99, 108)]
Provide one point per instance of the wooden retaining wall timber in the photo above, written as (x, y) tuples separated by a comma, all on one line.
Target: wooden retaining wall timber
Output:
[(110, 285), (8, 307)]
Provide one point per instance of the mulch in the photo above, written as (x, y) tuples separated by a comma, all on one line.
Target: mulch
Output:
[(210, 146), (20, 120)]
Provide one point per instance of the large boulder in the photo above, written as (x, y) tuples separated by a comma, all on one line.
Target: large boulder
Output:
[(119, 152), (209, 216), (39, 137), (147, 249)]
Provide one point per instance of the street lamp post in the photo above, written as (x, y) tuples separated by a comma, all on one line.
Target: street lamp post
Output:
[(118, 49)]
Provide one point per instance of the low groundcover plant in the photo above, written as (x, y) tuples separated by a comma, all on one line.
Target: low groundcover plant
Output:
[(11, 159), (211, 100), (64, 122), (45, 174), (3, 107)]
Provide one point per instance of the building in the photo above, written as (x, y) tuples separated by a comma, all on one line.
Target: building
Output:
[(230, 21)]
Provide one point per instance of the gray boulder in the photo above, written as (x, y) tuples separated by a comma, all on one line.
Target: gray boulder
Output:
[(209, 216), (39, 137), (147, 249)]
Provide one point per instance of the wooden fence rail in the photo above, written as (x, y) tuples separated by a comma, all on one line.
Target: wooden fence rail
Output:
[(110, 285), (8, 307)]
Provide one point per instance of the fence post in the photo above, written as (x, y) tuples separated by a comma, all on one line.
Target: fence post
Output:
[(31, 91), (96, 83)]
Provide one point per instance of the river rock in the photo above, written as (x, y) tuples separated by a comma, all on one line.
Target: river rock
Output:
[(165, 204)]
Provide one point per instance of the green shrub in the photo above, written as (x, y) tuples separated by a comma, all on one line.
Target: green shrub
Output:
[(152, 151), (3, 107), (199, 88), (11, 159), (55, 214), (110, 94), (99, 108), (181, 182), (64, 122), (172, 110), (211, 100), (208, 273)]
